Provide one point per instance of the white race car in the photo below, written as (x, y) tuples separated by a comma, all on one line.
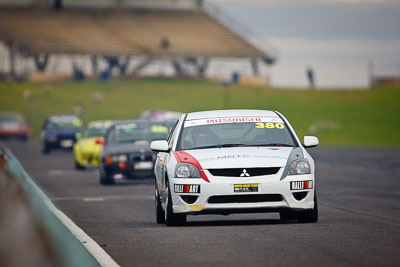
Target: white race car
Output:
[(234, 161)]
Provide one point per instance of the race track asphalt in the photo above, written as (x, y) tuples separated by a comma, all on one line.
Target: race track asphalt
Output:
[(359, 223)]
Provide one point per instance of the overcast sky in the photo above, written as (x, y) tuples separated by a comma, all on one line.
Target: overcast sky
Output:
[(337, 37), (319, 19)]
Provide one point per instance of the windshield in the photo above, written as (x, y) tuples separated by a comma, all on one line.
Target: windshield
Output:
[(223, 133), (131, 132), (96, 130), (64, 122), (10, 118)]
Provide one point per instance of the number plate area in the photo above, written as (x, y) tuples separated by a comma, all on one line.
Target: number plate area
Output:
[(66, 143), (143, 166), (245, 188)]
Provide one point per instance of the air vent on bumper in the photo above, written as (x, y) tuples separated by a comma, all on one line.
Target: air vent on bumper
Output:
[(244, 198), (189, 199), (300, 195)]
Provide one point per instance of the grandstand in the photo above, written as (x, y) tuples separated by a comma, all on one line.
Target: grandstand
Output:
[(179, 31)]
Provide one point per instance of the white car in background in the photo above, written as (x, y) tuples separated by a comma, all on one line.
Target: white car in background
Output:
[(234, 161)]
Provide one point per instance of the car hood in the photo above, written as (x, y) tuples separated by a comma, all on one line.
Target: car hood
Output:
[(241, 157), (138, 146)]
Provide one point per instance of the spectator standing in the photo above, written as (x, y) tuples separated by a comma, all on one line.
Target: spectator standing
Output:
[(310, 77), (164, 44)]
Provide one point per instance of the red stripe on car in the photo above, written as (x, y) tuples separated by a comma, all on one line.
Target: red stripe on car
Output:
[(182, 156)]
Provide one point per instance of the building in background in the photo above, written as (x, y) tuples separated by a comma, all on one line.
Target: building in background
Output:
[(53, 38)]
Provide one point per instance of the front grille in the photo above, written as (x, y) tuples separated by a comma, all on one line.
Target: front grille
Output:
[(244, 172), (245, 198), (142, 157)]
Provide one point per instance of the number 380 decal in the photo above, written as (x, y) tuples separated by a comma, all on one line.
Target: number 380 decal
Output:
[(269, 125)]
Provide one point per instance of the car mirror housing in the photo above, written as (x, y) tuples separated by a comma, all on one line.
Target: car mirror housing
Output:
[(99, 141), (310, 141), (159, 146)]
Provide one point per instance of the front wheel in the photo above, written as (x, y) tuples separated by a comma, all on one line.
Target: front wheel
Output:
[(309, 216), (171, 218), (79, 166), (160, 216), (106, 179), (46, 149)]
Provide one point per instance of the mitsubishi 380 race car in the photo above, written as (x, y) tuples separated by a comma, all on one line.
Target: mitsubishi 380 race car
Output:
[(234, 161)]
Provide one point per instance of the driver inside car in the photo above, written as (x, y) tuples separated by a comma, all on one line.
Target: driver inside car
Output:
[(201, 137)]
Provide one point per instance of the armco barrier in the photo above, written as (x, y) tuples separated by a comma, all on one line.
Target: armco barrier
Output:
[(64, 234)]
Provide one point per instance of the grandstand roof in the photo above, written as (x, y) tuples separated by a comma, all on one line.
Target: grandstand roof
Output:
[(115, 32)]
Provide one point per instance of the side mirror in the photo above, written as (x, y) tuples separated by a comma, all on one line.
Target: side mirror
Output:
[(159, 146), (99, 141), (310, 141), (78, 136)]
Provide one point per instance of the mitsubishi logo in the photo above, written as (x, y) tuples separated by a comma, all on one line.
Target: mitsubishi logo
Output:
[(244, 173)]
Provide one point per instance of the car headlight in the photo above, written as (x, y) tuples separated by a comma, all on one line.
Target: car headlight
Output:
[(120, 158), (187, 170), (299, 166)]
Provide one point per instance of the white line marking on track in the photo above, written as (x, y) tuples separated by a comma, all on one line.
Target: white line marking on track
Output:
[(93, 199), (56, 172), (98, 253)]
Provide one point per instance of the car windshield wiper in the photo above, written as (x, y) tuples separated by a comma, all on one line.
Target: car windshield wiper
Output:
[(235, 145), (218, 146), (273, 144)]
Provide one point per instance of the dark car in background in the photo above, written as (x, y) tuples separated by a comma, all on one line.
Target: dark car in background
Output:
[(126, 149), (59, 131), (14, 125)]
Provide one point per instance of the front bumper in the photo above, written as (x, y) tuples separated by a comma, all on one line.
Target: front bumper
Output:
[(129, 170), (87, 157), (13, 133), (219, 196), (59, 142)]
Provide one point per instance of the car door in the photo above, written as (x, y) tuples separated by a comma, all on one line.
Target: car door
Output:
[(162, 160)]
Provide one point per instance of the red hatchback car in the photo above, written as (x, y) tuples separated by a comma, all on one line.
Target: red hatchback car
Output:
[(13, 124)]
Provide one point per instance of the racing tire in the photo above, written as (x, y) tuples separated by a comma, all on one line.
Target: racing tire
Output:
[(160, 215), (106, 179), (171, 218), (79, 167), (288, 215), (311, 215), (46, 150)]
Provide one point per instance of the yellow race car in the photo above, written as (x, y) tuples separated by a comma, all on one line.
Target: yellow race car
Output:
[(87, 148)]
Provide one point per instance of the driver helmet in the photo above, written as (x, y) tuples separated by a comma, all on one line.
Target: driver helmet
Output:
[(200, 136)]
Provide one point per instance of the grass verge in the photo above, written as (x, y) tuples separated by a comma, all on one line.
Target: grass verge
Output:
[(337, 117)]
